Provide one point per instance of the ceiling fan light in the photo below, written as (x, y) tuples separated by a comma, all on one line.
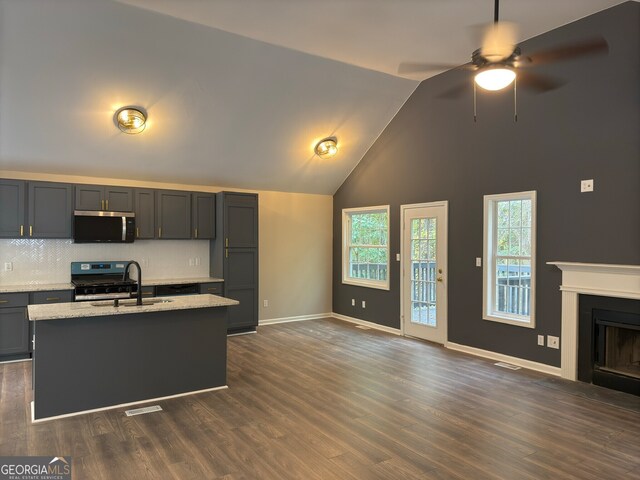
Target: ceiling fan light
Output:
[(495, 78), (327, 147)]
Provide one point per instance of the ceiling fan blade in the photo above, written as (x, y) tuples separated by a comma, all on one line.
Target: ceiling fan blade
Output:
[(417, 67), (499, 41), (538, 83), (591, 46)]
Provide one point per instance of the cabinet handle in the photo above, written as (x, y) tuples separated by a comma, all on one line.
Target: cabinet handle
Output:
[(147, 293), (226, 253), (101, 204), (211, 289), (137, 232), (159, 232), (226, 242), (31, 230), (4, 301), (196, 233), (106, 202), (22, 230), (52, 299)]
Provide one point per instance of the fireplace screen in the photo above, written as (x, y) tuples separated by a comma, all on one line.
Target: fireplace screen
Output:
[(622, 351)]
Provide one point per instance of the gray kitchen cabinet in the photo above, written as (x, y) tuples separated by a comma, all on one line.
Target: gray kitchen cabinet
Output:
[(213, 288), (89, 197), (99, 197), (173, 214), (234, 256), (240, 214), (14, 325), (145, 209), (203, 215), (50, 210), (12, 212)]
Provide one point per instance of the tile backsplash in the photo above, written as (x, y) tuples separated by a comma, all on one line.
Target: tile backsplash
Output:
[(48, 261)]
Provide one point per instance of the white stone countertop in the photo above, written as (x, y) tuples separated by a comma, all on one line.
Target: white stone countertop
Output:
[(35, 287), (103, 308), (176, 281)]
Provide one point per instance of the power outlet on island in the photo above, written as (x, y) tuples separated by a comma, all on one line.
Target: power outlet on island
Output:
[(353, 302), (553, 342), (586, 186), (8, 266), (364, 304)]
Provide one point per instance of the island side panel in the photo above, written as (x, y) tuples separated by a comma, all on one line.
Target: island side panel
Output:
[(87, 363)]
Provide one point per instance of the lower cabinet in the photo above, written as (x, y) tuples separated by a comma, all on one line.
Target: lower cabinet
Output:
[(14, 331), (49, 296), (241, 283)]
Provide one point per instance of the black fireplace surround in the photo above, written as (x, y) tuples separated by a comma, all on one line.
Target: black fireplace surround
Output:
[(609, 342)]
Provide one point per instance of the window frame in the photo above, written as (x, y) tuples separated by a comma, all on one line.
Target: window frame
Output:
[(346, 235), (490, 233)]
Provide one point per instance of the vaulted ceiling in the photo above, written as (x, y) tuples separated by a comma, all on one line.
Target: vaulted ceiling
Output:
[(238, 92)]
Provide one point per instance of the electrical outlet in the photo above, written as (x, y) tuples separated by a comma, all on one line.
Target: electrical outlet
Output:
[(397, 257), (265, 303), (191, 262), (8, 266), (553, 342), (478, 261), (364, 304), (353, 302), (541, 340), (197, 261), (586, 186)]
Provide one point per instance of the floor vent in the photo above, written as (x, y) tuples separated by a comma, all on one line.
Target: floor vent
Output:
[(507, 365), (140, 411), (363, 327)]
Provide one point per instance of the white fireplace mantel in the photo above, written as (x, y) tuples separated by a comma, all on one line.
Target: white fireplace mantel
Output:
[(621, 281)]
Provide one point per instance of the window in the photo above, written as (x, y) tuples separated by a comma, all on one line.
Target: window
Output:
[(365, 246), (509, 258)]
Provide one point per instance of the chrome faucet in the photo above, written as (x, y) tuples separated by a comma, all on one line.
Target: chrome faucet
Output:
[(124, 277)]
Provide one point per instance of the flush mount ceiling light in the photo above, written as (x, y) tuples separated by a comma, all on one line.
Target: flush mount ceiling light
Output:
[(327, 147), (131, 119), (495, 78)]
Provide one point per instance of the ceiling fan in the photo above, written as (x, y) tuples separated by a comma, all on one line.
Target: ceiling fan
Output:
[(499, 61)]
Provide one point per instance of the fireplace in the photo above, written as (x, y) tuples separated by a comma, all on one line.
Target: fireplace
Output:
[(609, 342)]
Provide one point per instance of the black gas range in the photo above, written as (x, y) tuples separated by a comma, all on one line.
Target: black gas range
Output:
[(101, 281)]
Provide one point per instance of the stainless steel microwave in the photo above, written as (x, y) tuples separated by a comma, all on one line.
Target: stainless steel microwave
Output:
[(103, 227)]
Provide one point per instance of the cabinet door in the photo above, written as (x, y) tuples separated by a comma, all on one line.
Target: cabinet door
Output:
[(240, 220), (204, 215), (50, 210), (12, 199), (89, 197), (145, 213), (14, 331), (173, 214), (117, 199), (241, 283)]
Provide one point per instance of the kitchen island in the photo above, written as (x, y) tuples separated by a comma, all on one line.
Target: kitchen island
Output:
[(92, 355)]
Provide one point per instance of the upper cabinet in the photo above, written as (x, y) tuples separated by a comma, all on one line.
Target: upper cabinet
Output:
[(240, 220), (203, 215), (173, 214), (98, 197), (12, 212), (145, 209), (50, 210)]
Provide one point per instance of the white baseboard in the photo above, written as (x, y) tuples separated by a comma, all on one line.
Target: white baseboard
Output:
[(338, 316), (521, 362), (299, 318)]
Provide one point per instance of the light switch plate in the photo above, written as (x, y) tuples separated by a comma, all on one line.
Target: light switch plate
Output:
[(541, 340), (478, 261), (586, 186), (397, 257)]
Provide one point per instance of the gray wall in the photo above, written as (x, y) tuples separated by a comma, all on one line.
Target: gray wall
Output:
[(432, 150)]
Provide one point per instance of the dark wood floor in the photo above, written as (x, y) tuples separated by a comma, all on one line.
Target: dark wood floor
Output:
[(325, 400)]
